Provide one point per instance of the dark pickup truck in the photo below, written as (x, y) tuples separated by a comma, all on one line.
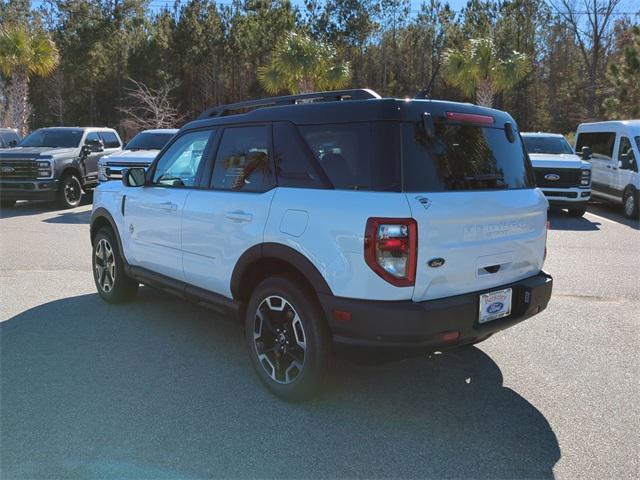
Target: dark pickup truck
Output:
[(57, 163)]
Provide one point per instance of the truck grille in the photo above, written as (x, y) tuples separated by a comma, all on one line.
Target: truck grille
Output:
[(18, 169), (568, 177)]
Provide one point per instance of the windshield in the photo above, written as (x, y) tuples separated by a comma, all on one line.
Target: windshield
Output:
[(550, 145), (149, 141), (53, 138), (462, 157)]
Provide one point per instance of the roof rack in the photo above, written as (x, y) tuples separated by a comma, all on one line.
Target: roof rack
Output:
[(332, 96)]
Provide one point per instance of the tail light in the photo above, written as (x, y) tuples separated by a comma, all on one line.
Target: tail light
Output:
[(390, 249)]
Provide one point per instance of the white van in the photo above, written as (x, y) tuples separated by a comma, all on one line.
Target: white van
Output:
[(614, 148)]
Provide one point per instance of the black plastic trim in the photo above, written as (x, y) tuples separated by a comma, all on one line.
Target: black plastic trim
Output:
[(279, 252), (183, 290)]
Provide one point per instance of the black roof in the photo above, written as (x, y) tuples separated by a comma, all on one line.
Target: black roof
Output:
[(358, 108)]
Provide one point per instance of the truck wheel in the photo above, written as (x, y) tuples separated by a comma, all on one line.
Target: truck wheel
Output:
[(287, 338), (113, 285), (630, 203), (7, 203), (577, 212), (70, 192)]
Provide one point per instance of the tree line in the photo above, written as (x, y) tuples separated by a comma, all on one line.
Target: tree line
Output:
[(573, 61)]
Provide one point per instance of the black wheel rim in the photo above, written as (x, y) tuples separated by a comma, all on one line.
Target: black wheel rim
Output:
[(72, 191), (279, 339), (105, 266)]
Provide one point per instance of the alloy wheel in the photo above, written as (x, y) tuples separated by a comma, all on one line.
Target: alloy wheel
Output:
[(72, 191), (105, 265), (279, 339), (629, 205)]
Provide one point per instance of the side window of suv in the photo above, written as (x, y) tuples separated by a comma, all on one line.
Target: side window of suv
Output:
[(242, 162), (179, 165), (294, 163), (110, 140)]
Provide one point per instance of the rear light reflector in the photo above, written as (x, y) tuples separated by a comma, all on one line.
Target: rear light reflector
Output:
[(390, 249), (342, 315), (470, 118), (450, 336)]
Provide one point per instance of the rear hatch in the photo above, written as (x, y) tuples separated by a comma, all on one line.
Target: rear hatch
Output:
[(481, 222)]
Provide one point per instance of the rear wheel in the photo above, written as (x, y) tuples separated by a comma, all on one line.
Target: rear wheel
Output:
[(7, 203), (112, 283), (577, 212), (70, 192), (630, 204), (287, 338)]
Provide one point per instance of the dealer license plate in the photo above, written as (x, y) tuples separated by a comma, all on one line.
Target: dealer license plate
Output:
[(494, 305)]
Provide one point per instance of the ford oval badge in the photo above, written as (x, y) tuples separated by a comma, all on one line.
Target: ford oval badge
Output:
[(495, 307), (552, 177), (436, 262)]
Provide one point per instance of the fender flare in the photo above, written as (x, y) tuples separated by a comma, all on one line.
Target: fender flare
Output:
[(281, 252), (102, 213)]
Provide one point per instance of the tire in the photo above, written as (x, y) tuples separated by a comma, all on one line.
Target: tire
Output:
[(577, 212), (287, 338), (112, 283), (630, 204), (7, 203), (70, 193)]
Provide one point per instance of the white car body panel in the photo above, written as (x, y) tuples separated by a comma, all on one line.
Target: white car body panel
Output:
[(545, 160), (202, 239), (473, 230)]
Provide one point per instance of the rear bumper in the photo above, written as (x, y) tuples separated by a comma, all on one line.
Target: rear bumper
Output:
[(408, 324), (28, 189)]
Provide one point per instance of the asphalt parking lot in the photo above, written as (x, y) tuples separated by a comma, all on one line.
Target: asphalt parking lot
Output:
[(162, 389)]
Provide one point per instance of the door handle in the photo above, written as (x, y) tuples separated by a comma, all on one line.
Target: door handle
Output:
[(239, 216), (168, 206)]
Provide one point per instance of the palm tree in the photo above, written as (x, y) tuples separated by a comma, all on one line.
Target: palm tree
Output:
[(300, 64), (477, 68), (24, 54)]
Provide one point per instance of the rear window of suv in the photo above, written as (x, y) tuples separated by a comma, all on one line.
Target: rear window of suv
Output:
[(463, 157)]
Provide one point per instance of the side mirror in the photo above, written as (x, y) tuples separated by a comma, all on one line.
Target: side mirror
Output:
[(586, 153), (94, 146), (134, 177), (625, 162)]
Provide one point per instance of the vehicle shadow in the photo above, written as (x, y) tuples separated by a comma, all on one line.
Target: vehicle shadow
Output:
[(70, 217), (23, 209), (612, 212), (159, 389), (561, 220)]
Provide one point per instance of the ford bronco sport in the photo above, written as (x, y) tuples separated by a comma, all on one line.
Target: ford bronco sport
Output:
[(56, 163), (334, 218)]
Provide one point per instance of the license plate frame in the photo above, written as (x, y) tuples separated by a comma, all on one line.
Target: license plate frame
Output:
[(494, 305)]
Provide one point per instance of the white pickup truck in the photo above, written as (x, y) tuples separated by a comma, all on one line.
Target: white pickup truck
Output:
[(563, 177), (139, 152)]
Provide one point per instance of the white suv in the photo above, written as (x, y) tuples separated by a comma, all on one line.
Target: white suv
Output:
[(334, 218)]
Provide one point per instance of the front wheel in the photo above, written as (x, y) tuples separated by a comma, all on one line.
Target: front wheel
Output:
[(70, 192), (109, 275), (630, 204), (287, 338)]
